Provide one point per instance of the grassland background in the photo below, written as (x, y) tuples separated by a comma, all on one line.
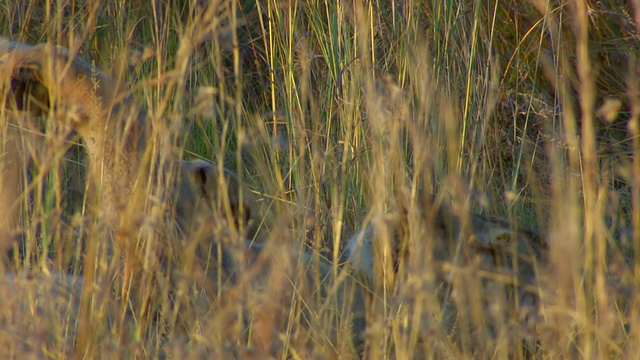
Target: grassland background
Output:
[(522, 109)]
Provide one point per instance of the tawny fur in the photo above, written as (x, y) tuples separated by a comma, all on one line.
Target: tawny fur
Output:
[(136, 196), (424, 240), (84, 98), (100, 109), (114, 130)]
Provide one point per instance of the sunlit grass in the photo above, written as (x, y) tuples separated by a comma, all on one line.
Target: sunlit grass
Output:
[(334, 113)]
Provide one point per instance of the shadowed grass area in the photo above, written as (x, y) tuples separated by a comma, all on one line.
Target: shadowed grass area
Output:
[(338, 117)]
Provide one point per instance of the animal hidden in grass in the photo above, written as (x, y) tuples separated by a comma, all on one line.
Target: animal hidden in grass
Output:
[(176, 231)]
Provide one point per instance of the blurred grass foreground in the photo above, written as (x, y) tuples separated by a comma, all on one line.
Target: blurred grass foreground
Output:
[(424, 179)]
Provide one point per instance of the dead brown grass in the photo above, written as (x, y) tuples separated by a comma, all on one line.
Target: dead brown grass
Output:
[(521, 110)]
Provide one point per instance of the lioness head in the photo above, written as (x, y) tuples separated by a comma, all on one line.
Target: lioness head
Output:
[(40, 78), (210, 192)]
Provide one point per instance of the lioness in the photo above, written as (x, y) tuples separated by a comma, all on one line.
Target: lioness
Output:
[(115, 130), (147, 199), (144, 201), (42, 310), (174, 206), (467, 264)]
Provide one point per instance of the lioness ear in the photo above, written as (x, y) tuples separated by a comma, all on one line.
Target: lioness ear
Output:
[(27, 93), (199, 173), (205, 179)]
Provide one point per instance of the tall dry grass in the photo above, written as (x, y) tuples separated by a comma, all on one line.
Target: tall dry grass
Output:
[(524, 110)]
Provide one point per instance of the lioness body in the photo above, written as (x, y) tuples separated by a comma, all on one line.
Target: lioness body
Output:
[(115, 132), (144, 198), (467, 264), (140, 199), (182, 212)]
